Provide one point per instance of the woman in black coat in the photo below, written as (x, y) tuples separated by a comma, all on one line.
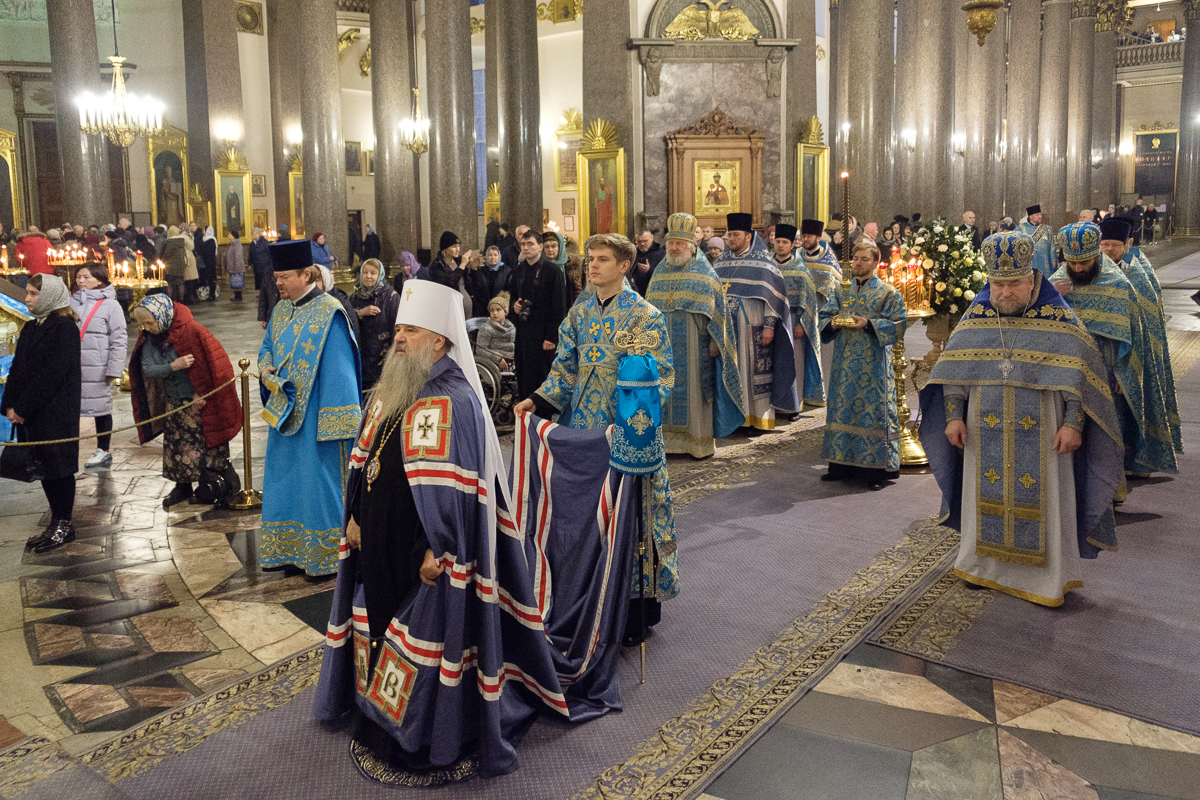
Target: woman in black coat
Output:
[(375, 304), (42, 397)]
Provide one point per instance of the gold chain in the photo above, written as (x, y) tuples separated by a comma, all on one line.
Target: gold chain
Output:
[(374, 467)]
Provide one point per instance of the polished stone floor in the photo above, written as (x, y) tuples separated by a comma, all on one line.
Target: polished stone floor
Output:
[(149, 609)]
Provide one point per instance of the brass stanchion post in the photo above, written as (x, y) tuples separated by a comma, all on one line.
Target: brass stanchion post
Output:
[(247, 497)]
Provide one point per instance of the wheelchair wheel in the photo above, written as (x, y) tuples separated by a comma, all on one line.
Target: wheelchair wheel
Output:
[(489, 376)]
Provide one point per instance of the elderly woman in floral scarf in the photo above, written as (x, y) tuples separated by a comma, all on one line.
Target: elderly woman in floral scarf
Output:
[(375, 304), (176, 360)]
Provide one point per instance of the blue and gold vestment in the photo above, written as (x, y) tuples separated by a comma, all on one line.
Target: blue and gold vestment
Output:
[(862, 424), (805, 306), (824, 269), (1046, 350), (1159, 376), (1043, 246), (583, 380), (679, 293), (313, 403)]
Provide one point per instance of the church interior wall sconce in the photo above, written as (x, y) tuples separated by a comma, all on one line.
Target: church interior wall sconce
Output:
[(958, 144), (908, 138), (414, 131), (228, 131), (981, 17)]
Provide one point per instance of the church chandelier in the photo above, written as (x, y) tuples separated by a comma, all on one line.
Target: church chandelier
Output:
[(414, 131), (120, 116)]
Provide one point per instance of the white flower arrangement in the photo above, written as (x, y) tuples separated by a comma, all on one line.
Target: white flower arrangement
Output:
[(943, 248), (968, 295), (951, 264)]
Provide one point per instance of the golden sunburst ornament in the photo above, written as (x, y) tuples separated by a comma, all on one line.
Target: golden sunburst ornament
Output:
[(233, 160), (600, 135)]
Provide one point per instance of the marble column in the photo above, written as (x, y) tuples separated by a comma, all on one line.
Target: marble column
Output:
[(801, 96), (491, 84), (1187, 176), (321, 118), (520, 113), (871, 74), (608, 87), (284, 80), (983, 180), (396, 215), (839, 104), (453, 204), (1104, 77), (74, 68), (1052, 115), (912, 81), (925, 105), (213, 78), (1024, 92), (1079, 105)]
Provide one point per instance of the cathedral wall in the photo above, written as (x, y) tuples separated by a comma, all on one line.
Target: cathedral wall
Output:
[(256, 117), (691, 91), (1148, 107), (560, 80)]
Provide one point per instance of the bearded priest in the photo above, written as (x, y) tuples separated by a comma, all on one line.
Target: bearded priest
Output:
[(1020, 429), (762, 324), (707, 399), (862, 427)]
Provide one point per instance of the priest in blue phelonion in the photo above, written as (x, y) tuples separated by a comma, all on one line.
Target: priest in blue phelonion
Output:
[(1019, 425), (312, 399), (862, 425), (1042, 237), (805, 305), (820, 259), (1116, 242), (706, 402), (594, 340), (762, 324)]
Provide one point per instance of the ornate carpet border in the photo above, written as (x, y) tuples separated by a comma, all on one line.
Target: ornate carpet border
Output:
[(689, 751), (1185, 351), (930, 625)]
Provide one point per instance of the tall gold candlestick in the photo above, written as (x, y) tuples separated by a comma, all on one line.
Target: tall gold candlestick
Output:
[(845, 319)]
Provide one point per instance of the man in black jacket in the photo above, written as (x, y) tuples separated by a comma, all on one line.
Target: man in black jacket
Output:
[(510, 245), (649, 253), (539, 305), (454, 272), (260, 258)]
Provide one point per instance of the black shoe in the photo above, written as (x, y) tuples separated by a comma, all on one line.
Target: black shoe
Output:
[(830, 477), (34, 541), (875, 484), (181, 492), (63, 532), (633, 640), (974, 587)]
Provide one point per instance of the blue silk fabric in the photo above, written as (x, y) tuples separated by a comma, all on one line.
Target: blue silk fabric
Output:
[(637, 442), (1052, 351), (1110, 308), (536, 599), (824, 269), (583, 380), (313, 403), (862, 423), (695, 289), (1043, 246), (754, 274), (805, 306), (1159, 376)]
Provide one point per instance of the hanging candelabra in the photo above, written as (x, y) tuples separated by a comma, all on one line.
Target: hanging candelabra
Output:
[(120, 116), (414, 131)]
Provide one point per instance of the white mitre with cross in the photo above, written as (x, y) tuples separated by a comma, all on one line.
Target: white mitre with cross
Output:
[(439, 309)]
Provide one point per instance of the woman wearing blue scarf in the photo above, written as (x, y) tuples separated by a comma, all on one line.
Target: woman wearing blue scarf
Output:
[(554, 249)]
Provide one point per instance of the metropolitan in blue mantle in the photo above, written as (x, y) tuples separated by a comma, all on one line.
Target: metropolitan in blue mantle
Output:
[(1020, 429), (706, 401), (311, 395), (762, 324)]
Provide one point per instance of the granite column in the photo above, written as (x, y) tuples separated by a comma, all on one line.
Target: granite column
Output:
[(1052, 114), (801, 95), (1187, 176), (1104, 137), (608, 88), (453, 204), (1024, 91), (74, 69), (839, 104), (928, 97), (871, 73), (321, 118), (984, 183), (396, 209), (520, 113), (1079, 105), (912, 81), (491, 83), (284, 78)]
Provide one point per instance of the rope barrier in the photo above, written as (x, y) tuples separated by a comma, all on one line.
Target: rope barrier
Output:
[(152, 420)]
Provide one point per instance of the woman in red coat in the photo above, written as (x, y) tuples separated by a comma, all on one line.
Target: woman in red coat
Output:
[(176, 360)]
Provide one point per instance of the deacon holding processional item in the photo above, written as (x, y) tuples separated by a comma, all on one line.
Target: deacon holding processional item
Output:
[(1116, 242), (762, 326), (1109, 308), (1020, 429), (1043, 240), (706, 402), (804, 305), (820, 259), (862, 427), (584, 390), (312, 399)]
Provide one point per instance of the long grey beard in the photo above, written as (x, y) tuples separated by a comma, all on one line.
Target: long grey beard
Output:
[(402, 380), (679, 261)]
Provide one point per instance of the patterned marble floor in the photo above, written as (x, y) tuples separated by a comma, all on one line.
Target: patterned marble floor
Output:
[(884, 725)]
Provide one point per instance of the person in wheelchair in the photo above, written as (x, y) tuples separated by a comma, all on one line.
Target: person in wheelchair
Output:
[(497, 336)]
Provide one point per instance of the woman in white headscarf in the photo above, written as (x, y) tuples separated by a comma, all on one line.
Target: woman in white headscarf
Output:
[(42, 398)]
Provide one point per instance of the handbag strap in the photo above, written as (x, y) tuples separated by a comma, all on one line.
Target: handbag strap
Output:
[(88, 321)]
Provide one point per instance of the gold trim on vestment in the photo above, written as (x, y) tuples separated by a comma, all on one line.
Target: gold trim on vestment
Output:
[(1030, 596)]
